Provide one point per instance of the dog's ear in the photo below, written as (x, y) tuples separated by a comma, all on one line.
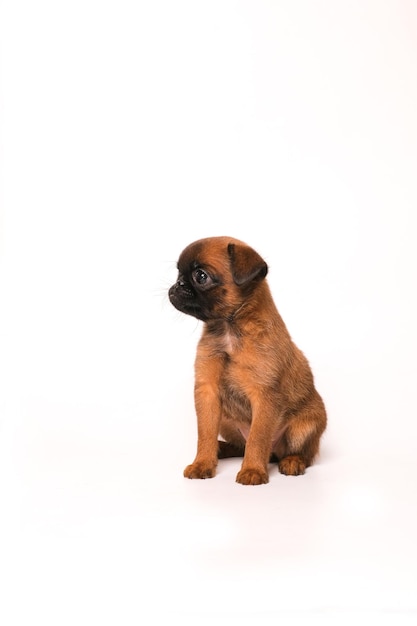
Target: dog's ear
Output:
[(246, 264)]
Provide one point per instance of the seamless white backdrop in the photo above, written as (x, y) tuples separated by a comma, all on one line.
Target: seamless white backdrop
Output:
[(130, 129)]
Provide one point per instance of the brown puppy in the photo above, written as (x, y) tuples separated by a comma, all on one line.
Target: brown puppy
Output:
[(253, 386)]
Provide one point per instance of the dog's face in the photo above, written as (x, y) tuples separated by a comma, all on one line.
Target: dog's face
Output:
[(215, 277)]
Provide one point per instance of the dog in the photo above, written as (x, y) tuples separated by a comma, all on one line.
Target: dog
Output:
[(254, 390)]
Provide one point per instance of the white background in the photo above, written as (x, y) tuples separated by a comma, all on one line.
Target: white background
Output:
[(129, 130)]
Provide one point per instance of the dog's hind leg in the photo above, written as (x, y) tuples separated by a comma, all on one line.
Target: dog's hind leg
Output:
[(228, 450), (300, 444), (234, 441)]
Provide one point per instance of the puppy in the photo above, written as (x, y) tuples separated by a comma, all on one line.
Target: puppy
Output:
[(253, 386)]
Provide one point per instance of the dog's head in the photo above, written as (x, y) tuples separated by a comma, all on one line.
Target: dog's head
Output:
[(216, 276)]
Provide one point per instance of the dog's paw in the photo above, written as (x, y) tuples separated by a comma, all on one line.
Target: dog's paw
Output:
[(200, 470), (292, 466), (252, 477)]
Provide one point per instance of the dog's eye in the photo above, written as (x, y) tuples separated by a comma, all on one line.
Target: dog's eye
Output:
[(201, 277)]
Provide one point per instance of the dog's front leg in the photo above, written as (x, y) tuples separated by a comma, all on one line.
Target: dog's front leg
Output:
[(207, 405), (254, 469)]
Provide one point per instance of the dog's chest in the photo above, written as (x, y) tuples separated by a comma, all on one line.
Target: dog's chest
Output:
[(237, 363), (230, 343), (234, 347)]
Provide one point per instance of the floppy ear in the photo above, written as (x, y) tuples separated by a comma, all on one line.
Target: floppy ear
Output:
[(246, 264)]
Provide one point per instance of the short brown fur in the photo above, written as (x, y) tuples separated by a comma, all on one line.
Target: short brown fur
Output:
[(253, 386)]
